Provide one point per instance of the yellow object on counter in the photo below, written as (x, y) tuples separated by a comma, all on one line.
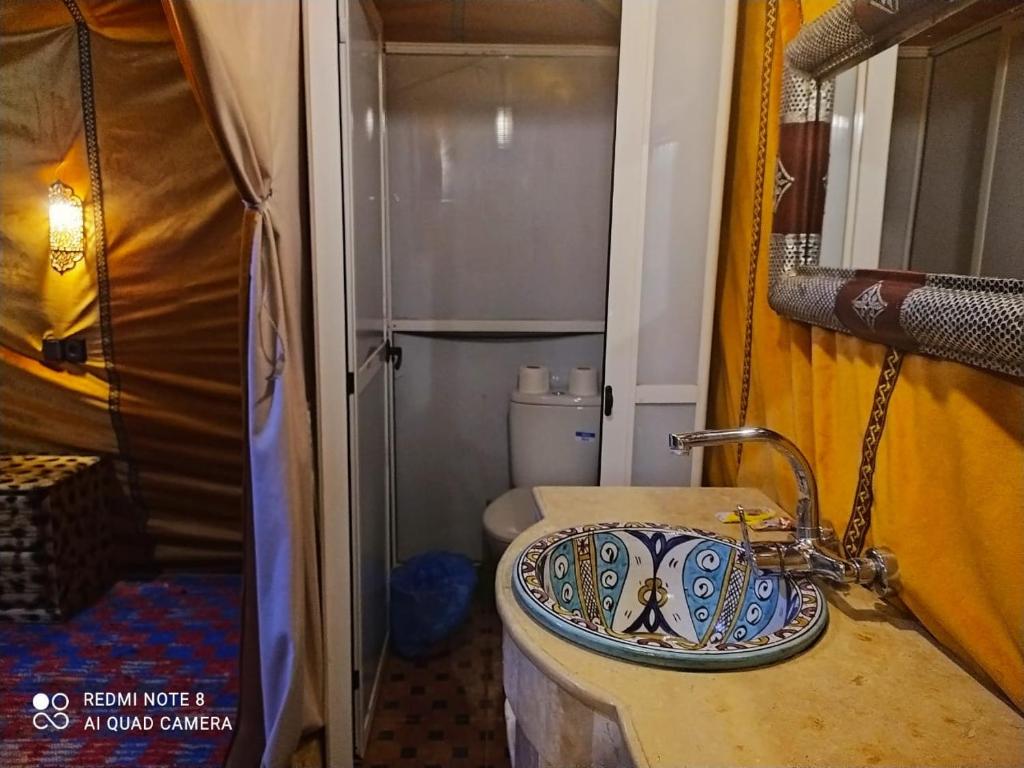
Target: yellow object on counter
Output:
[(753, 516)]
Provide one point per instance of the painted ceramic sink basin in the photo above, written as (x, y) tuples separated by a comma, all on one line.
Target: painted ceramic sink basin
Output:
[(665, 595)]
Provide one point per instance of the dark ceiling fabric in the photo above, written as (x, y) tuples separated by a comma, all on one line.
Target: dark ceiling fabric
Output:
[(173, 241)]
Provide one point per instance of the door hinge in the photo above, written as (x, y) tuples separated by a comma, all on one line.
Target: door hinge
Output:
[(355, 679), (350, 382), (609, 400), (393, 354)]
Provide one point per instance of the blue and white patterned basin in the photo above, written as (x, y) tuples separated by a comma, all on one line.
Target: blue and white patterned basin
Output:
[(665, 595)]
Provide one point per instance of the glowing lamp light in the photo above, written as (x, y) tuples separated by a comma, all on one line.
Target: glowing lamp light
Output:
[(504, 126), (67, 228)]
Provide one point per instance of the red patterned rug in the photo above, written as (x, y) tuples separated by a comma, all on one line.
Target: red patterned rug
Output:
[(145, 678)]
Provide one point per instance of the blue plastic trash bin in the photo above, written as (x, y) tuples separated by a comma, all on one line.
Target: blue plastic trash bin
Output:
[(430, 599)]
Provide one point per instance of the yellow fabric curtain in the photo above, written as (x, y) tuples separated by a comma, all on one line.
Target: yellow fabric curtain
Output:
[(949, 479), (252, 103)]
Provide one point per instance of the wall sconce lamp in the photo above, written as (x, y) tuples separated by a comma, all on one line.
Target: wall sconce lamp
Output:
[(504, 126), (67, 228)]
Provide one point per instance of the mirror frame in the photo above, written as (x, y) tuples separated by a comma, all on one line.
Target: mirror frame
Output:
[(974, 320)]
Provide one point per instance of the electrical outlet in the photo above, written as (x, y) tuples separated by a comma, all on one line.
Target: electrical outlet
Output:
[(53, 351), (74, 351)]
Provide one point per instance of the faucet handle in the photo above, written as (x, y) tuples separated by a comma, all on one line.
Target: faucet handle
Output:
[(748, 549), (828, 536), (887, 571)]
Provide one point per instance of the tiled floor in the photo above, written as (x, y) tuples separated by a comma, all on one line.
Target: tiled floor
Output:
[(447, 710)]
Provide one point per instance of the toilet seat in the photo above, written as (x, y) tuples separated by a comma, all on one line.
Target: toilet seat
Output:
[(510, 514)]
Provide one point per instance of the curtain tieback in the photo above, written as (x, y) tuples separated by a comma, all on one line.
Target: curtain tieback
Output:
[(272, 348), (260, 204)]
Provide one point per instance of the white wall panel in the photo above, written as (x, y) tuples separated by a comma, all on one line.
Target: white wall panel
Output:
[(653, 463), (451, 422), (500, 185)]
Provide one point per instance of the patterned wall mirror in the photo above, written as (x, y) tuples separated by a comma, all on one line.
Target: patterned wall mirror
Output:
[(899, 207)]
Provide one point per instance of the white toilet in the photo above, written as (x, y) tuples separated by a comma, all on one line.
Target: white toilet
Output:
[(553, 440)]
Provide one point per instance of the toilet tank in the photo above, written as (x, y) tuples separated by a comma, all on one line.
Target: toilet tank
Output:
[(553, 439)]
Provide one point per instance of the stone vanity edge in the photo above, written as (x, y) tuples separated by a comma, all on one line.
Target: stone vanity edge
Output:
[(515, 619)]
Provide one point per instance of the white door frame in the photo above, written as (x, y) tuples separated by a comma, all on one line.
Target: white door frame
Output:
[(858, 165), (322, 20), (714, 230), (626, 245), (629, 211)]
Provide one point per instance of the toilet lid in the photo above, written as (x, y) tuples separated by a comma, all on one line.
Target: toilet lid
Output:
[(510, 514)]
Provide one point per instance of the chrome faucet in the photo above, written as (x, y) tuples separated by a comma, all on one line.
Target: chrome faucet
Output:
[(813, 550)]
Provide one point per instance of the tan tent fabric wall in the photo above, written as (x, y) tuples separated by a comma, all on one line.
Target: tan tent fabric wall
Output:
[(173, 243), (173, 239), (41, 139), (252, 102)]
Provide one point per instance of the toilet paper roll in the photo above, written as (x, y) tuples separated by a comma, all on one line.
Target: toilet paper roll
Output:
[(583, 381), (534, 379)]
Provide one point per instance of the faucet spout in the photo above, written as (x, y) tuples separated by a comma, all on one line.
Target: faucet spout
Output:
[(811, 552), (808, 526)]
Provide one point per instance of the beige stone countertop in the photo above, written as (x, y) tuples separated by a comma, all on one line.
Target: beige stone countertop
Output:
[(874, 690)]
